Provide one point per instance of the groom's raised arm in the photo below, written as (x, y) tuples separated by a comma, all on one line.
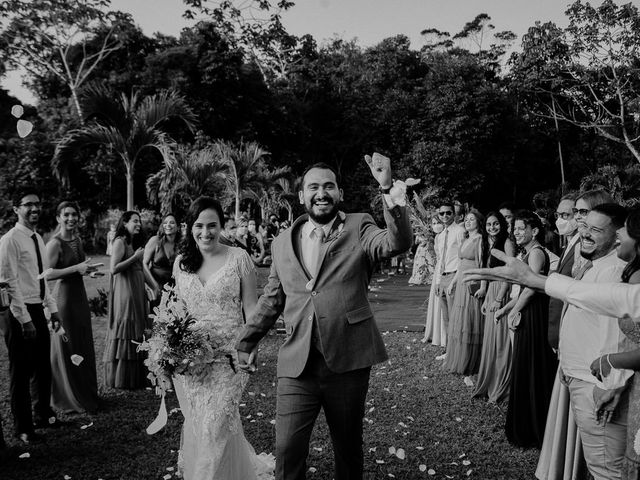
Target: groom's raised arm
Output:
[(266, 313)]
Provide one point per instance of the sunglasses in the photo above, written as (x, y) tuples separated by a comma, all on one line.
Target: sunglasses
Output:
[(582, 211), (445, 213), (30, 204), (563, 215)]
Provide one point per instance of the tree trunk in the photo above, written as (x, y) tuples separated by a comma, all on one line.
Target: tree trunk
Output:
[(237, 204), (555, 119), (129, 173), (76, 101)]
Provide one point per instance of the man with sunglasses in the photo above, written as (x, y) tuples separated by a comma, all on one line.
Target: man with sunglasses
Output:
[(22, 263), (447, 245)]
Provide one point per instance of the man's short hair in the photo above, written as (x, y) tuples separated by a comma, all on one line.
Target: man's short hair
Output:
[(507, 206), (617, 213), (322, 166), (18, 196), (568, 196), (593, 198), (447, 203)]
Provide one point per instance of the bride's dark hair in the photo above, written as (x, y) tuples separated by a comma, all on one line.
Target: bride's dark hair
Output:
[(191, 259)]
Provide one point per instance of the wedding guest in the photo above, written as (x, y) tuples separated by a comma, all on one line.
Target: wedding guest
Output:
[(111, 235), (420, 274), (435, 330), (22, 264), (255, 243), (460, 211), (561, 454), (228, 235), (507, 210), (128, 310), (242, 232), (627, 249), (585, 336), (466, 323), (494, 373), (160, 254), (584, 203), (533, 363), (447, 244), (73, 357)]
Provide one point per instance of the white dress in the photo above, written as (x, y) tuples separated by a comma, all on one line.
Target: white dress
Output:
[(213, 444)]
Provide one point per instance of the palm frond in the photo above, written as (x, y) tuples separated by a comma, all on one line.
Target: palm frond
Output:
[(164, 105)]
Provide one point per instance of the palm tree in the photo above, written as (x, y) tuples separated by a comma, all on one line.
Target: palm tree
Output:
[(187, 174), (248, 171), (126, 125)]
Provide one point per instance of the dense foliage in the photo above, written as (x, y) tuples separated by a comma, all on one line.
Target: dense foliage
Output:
[(454, 113)]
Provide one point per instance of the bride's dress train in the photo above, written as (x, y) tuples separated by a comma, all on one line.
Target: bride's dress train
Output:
[(213, 445)]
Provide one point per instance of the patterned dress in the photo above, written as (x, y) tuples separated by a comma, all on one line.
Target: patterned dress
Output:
[(632, 459), (213, 442)]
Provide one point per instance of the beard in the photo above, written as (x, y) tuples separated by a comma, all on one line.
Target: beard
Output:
[(324, 217)]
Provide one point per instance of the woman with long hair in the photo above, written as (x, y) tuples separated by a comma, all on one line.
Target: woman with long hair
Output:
[(466, 323), (128, 310), (73, 359), (435, 330), (160, 253), (218, 285), (494, 374), (533, 363), (628, 249)]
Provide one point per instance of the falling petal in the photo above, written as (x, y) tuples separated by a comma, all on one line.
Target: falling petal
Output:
[(272, 422), (431, 471), (463, 455), (373, 450), (419, 448), (466, 463), (170, 469), (400, 454), (458, 419), (24, 455), (412, 181), (84, 427), (77, 359), (167, 476), (67, 477), (422, 467), (312, 470), (24, 128), (379, 462), (17, 111), (469, 472), (392, 450), (317, 449)]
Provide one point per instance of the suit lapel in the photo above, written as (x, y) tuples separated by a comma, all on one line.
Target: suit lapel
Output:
[(294, 241)]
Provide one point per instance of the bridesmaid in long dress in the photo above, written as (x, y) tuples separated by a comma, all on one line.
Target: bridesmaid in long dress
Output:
[(466, 324), (160, 254), (435, 331), (533, 364), (128, 311), (494, 375), (73, 359)]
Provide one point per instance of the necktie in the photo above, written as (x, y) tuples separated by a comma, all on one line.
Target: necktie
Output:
[(444, 251), (317, 237), (40, 267), (586, 265)]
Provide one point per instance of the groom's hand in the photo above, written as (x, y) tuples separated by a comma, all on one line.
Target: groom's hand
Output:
[(247, 361), (380, 167)]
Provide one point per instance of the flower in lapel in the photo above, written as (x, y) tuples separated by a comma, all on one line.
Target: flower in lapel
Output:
[(336, 231)]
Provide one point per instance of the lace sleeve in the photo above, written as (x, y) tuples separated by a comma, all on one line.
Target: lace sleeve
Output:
[(176, 272), (244, 264)]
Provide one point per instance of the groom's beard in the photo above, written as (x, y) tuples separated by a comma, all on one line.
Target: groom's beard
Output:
[(324, 217)]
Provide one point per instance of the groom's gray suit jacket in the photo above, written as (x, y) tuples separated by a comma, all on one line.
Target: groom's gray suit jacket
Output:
[(337, 297)]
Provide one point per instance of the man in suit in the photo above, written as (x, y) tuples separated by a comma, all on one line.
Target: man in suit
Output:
[(568, 230), (22, 261), (320, 274)]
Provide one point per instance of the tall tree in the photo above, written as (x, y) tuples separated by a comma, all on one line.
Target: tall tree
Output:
[(128, 126), (45, 36)]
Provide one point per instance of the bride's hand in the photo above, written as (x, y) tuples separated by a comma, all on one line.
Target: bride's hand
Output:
[(247, 361)]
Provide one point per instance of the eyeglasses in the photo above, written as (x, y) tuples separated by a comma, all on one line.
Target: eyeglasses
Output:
[(31, 204), (445, 213), (581, 211), (563, 215)]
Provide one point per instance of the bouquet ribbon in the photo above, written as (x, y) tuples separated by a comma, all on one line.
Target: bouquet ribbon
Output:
[(160, 420)]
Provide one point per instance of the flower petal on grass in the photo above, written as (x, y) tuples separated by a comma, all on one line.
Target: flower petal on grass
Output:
[(84, 427), (312, 470), (379, 462), (24, 128), (400, 454), (392, 450), (466, 463), (17, 111), (431, 471), (422, 467)]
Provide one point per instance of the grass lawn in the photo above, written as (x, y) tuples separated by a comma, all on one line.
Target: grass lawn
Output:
[(412, 405)]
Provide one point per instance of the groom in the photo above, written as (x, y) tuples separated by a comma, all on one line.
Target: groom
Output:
[(319, 276)]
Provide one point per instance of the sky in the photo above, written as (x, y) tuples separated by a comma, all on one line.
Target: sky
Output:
[(367, 20)]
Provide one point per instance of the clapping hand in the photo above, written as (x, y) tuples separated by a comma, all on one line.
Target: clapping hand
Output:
[(380, 167)]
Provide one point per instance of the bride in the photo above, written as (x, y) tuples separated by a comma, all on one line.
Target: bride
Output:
[(218, 285)]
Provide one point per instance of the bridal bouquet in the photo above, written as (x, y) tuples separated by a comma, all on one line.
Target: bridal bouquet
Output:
[(176, 345)]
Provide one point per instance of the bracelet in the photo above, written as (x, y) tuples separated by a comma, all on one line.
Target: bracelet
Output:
[(609, 362)]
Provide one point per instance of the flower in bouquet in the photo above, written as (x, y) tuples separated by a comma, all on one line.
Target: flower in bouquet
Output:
[(176, 344)]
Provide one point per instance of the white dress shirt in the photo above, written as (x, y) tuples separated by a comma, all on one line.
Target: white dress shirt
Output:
[(455, 238), (307, 241), (19, 268), (586, 335)]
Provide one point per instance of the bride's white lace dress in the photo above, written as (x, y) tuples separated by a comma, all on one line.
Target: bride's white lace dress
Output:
[(213, 445)]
